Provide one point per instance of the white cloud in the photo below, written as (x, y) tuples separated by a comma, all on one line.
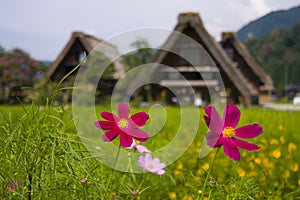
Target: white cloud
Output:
[(260, 6)]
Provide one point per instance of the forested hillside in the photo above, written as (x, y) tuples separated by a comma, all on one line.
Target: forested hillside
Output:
[(282, 19), (279, 55)]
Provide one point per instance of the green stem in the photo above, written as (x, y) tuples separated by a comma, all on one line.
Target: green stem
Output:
[(140, 186), (235, 179), (84, 192), (127, 167), (113, 169), (208, 174)]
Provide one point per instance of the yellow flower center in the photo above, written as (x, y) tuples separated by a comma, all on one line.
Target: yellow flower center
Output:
[(123, 123), (229, 132), (150, 166)]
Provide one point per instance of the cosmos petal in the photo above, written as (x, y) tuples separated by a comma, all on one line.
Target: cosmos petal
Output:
[(110, 135), (141, 161), (137, 134), (160, 165), (123, 111), (231, 116), (142, 149), (125, 139), (160, 172), (214, 140), (155, 162), (246, 145), (108, 116), (249, 131), (231, 150), (140, 118), (105, 125), (213, 119)]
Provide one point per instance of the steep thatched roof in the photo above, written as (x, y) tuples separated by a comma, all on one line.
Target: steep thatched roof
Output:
[(193, 20), (88, 43), (241, 50)]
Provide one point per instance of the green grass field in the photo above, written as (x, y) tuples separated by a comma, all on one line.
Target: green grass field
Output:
[(42, 157)]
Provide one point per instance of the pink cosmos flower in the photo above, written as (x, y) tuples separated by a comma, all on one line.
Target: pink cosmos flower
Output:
[(124, 125), (152, 165), (224, 132), (135, 192), (11, 187), (83, 181), (139, 148)]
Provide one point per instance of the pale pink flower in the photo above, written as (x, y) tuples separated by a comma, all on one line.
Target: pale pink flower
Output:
[(139, 148), (152, 165)]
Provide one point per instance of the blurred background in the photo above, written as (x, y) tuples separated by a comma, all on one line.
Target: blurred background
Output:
[(33, 34)]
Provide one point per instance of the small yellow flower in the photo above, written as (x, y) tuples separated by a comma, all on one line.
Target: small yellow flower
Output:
[(281, 127), (206, 166), (282, 140), (177, 174), (199, 172), (257, 160), (292, 147), (252, 173), (295, 167), (274, 142), (267, 163), (172, 195), (276, 153), (264, 140), (179, 166), (286, 174), (187, 197), (241, 172), (251, 165), (299, 182)]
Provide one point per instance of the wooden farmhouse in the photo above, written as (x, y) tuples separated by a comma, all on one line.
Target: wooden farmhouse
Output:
[(245, 82), (79, 45), (243, 61)]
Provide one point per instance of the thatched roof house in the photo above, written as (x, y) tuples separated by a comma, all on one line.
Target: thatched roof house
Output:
[(244, 82), (243, 61), (72, 54)]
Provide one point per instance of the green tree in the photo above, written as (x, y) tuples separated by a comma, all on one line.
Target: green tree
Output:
[(142, 55), (279, 55)]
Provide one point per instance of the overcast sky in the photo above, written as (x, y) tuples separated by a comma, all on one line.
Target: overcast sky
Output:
[(42, 28)]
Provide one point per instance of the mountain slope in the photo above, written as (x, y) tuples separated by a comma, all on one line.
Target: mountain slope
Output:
[(279, 55), (283, 19)]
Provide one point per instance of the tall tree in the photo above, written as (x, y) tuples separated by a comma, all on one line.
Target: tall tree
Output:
[(143, 54)]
